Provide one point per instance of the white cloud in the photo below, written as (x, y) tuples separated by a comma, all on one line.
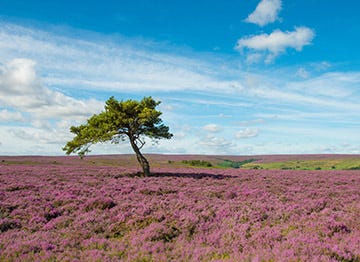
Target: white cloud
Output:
[(212, 128), (321, 66), (21, 89), (215, 145), (39, 135), (282, 97), (334, 118), (42, 91), (119, 65), (11, 116), (333, 85), (251, 122), (272, 45), (266, 12), (302, 72), (254, 58), (247, 133), (45, 114)]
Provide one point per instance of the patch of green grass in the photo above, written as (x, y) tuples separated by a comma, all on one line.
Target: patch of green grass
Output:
[(323, 164), (235, 164)]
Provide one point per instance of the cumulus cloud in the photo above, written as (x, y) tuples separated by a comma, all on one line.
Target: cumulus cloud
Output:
[(247, 133), (272, 45), (212, 128), (266, 12), (21, 89), (45, 114)]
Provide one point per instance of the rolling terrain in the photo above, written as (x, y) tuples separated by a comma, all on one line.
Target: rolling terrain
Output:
[(194, 208)]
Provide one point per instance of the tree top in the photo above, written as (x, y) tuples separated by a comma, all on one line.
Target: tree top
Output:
[(120, 120)]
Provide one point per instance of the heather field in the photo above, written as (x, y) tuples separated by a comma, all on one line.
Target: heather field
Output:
[(99, 209)]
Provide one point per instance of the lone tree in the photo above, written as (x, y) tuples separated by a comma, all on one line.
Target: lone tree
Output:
[(121, 120)]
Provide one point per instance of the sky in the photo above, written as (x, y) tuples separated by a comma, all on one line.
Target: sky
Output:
[(234, 77)]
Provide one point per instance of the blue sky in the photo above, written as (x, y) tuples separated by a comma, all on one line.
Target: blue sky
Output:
[(234, 77)]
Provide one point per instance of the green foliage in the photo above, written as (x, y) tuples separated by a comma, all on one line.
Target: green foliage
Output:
[(200, 163), (120, 120), (354, 168), (235, 164)]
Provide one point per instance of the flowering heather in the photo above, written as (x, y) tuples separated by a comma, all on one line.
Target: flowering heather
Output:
[(64, 209)]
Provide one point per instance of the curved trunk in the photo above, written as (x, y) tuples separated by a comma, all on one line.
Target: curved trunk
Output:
[(141, 159)]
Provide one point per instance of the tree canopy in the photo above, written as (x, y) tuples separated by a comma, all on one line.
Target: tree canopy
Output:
[(121, 120)]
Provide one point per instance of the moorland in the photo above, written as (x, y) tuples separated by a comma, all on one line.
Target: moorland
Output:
[(193, 208)]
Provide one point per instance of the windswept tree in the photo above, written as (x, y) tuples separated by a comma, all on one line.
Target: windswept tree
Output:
[(121, 120)]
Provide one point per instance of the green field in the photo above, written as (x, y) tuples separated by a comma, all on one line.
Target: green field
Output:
[(319, 164), (254, 163)]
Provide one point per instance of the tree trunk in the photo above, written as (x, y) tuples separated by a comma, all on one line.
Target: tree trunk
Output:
[(141, 159)]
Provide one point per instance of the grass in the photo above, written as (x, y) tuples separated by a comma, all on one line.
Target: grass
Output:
[(235, 164), (323, 164)]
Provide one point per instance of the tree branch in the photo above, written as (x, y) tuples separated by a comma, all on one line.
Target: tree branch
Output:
[(139, 141)]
